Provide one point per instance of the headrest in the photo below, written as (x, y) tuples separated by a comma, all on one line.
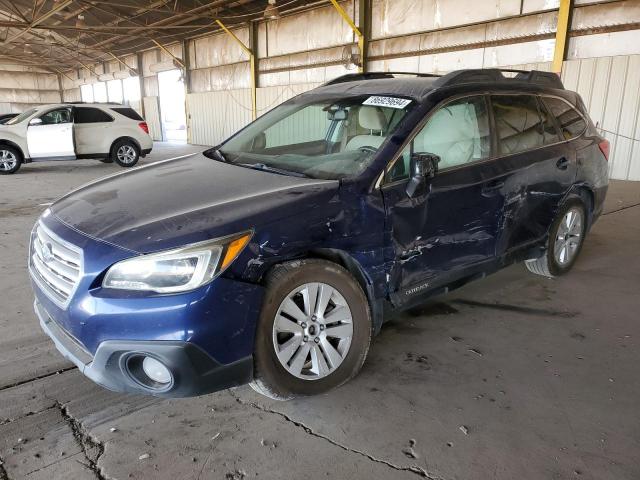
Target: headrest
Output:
[(371, 118)]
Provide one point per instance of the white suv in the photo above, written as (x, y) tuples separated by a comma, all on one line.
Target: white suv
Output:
[(107, 132)]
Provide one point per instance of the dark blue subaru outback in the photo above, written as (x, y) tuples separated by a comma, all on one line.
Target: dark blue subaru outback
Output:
[(274, 257)]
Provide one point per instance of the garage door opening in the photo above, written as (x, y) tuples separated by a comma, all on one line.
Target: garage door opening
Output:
[(172, 106)]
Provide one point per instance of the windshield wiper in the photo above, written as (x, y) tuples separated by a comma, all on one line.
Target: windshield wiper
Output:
[(279, 171)]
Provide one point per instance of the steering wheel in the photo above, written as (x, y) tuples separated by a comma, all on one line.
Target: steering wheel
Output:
[(368, 149)]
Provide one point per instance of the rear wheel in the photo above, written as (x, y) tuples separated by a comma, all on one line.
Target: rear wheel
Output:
[(314, 330), (10, 160), (565, 241), (125, 153)]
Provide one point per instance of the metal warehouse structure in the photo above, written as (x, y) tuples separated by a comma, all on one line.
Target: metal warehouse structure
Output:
[(240, 58)]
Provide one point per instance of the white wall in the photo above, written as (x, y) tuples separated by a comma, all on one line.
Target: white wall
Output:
[(23, 87)]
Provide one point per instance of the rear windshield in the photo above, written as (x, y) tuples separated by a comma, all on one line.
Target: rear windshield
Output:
[(129, 113)]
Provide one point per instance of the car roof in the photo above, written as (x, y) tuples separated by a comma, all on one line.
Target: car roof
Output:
[(80, 104), (419, 85)]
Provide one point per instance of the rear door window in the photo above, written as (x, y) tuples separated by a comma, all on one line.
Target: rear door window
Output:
[(91, 115), (519, 124), (570, 121), (129, 113)]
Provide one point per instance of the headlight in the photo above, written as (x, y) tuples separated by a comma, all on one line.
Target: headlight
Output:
[(176, 270)]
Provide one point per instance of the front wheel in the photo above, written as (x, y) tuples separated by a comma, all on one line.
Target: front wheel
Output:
[(125, 153), (10, 160), (314, 330), (566, 237)]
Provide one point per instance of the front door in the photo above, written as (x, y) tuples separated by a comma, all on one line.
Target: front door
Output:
[(50, 136), (451, 229)]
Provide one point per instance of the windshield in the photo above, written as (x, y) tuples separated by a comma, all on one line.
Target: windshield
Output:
[(328, 139), (20, 118)]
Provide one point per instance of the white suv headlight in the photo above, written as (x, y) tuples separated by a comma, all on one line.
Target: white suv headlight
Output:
[(178, 270)]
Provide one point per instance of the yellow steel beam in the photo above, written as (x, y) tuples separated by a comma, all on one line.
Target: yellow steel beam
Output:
[(63, 74), (562, 29), (91, 70), (132, 70), (355, 29), (252, 67), (164, 49)]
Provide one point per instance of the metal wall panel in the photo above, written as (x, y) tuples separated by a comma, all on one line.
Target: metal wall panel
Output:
[(219, 49), (314, 29), (71, 95), (270, 97), (214, 116), (402, 17), (152, 116), (610, 88)]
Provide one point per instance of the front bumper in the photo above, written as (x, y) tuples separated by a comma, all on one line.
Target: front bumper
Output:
[(194, 372)]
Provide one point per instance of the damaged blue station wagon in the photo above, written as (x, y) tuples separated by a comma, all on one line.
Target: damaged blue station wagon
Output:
[(274, 257)]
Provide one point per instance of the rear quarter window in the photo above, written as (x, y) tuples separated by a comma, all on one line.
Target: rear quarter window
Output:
[(569, 119), (129, 113)]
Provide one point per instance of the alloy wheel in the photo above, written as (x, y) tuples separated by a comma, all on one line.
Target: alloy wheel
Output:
[(312, 331), (126, 154), (569, 236), (8, 160)]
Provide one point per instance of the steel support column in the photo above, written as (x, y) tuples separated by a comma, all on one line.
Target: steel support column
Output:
[(252, 64), (364, 22), (564, 16), (359, 35)]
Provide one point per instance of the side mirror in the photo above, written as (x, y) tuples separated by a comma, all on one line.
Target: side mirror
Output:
[(259, 142), (35, 121), (424, 166)]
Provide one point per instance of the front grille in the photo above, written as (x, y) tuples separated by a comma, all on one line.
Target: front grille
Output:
[(55, 264)]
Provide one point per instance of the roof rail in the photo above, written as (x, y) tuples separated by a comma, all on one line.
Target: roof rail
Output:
[(354, 77), (534, 77)]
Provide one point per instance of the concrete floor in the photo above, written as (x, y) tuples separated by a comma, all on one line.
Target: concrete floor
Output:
[(513, 377)]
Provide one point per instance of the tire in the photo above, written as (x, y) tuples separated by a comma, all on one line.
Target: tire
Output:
[(321, 370), (125, 153), (564, 244), (106, 160), (10, 160)]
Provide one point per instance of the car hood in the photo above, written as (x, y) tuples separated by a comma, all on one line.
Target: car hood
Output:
[(186, 200)]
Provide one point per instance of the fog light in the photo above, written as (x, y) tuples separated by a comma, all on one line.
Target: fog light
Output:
[(156, 371)]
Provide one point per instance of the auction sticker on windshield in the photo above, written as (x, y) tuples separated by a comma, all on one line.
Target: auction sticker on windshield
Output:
[(391, 102)]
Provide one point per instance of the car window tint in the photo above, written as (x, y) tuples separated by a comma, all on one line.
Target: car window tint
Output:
[(519, 126), (91, 115), (129, 113), (571, 122), (458, 133), (54, 117)]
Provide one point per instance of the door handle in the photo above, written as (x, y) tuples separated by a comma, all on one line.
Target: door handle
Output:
[(491, 188), (563, 163)]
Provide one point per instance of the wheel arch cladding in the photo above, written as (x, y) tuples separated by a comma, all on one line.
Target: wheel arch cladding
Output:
[(351, 265), (586, 194), (130, 139), (9, 143)]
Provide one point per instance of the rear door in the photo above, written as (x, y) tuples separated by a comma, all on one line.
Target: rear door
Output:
[(92, 131), (543, 166), (50, 135)]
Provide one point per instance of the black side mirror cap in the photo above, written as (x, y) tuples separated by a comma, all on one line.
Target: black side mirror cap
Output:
[(424, 166)]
